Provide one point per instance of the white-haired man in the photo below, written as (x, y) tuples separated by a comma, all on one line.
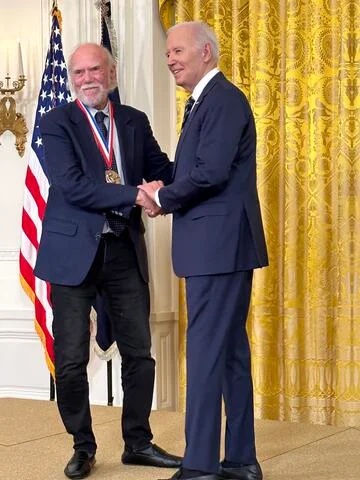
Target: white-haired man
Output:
[(96, 152), (218, 240)]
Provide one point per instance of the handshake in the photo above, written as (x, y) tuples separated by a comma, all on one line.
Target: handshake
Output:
[(146, 198)]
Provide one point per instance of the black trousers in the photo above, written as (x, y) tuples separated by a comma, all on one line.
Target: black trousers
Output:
[(115, 275)]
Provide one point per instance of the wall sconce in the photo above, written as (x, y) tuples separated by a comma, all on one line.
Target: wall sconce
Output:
[(9, 118)]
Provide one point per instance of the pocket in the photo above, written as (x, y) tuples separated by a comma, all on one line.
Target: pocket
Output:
[(57, 225), (209, 210)]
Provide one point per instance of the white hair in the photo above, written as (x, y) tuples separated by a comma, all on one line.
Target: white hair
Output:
[(203, 34)]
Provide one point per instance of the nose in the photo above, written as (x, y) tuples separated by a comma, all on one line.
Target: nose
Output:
[(170, 60), (87, 76)]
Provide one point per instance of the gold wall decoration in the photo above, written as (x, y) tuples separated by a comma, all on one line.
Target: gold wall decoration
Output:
[(10, 119), (299, 64)]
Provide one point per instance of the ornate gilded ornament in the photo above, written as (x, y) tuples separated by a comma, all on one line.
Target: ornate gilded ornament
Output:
[(10, 119), (14, 122)]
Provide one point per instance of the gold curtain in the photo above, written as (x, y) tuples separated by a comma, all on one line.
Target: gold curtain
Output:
[(299, 63)]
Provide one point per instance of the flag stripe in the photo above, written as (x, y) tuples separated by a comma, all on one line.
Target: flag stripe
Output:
[(38, 172), (27, 274), (29, 229), (32, 186)]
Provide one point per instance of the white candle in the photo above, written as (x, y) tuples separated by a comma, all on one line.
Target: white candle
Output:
[(21, 66), (7, 62)]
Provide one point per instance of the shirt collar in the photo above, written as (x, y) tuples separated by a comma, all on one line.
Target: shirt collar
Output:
[(104, 110), (203, 82)]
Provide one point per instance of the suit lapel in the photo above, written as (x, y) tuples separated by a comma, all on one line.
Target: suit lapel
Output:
[(216, 78), (92, 157)]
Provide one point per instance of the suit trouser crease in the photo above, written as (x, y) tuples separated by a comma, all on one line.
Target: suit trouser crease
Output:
[(114, 274), (218, 360)]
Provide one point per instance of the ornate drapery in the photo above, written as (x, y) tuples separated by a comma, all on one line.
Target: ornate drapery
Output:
[(299, 63)]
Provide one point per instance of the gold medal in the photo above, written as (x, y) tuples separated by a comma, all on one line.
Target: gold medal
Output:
[(111, 176)]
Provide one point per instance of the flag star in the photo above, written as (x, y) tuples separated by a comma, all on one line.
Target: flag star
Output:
[(42, 110), (46, 79), (51, 95), (56, 47), (38, 141), (63, 65), (56, 63), (61, 81), (68, 98), (56, 31), (61, 97), (43, 94)]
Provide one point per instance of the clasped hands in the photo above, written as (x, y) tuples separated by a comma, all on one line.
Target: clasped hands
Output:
[(146, 198)]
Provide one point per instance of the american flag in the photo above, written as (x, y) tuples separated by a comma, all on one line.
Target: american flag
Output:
[(54, 91)]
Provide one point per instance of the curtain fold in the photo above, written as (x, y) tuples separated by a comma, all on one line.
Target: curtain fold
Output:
[(298, 61)]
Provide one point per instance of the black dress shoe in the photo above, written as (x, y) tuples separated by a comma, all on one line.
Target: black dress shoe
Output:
[(178, 476), (246, 472), (80, 464), (152, 456)]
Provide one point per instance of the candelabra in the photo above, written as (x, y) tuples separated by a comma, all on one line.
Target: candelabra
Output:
[(10, 119)]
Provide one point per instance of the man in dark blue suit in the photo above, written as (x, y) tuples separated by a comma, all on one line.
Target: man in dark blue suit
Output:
[(218, 240), (93, 241)]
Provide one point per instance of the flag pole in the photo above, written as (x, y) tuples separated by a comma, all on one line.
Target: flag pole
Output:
[(52, 388), (109, 383)]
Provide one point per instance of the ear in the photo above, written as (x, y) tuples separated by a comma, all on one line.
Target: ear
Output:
[(113, 74), (207, 53)]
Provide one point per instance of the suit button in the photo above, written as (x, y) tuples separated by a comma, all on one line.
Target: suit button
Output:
[(120, 213)]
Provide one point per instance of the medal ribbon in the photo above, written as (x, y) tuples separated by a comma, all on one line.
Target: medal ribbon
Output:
[(105, 146)]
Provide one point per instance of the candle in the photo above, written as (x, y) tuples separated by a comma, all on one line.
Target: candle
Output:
[(7, 62), (21, 67)]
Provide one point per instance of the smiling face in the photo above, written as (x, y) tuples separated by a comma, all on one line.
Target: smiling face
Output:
[(187, 60), (92, 75)]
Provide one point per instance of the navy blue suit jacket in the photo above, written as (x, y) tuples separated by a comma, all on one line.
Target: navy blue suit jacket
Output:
[(79, 197), (217, 226)]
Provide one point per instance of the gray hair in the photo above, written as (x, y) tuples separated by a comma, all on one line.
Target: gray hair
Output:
[(203, 34)]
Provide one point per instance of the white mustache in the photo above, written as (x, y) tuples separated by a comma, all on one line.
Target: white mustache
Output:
[(88, 86)]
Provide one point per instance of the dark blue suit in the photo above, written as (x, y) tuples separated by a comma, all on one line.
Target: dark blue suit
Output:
[(218, 240), (79, 262)]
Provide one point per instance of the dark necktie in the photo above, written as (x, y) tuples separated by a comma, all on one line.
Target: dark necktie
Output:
[(115, 221), (100, 117), (188, 106)]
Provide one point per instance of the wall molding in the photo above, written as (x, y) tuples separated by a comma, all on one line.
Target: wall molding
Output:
[(18, 335), (22, 392), (9, 255), (17, 315)]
